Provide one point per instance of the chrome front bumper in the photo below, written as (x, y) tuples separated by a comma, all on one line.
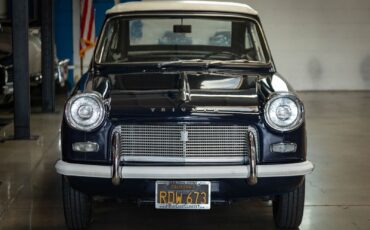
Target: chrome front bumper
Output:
[(184, 172), (251, 171)]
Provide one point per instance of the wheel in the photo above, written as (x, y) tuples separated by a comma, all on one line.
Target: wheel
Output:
[(77, 207), (288, 208)]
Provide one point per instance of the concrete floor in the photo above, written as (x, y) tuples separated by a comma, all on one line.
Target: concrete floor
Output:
[(338, 192)]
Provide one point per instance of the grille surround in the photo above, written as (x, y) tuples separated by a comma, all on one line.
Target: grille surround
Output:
[(185, 143)]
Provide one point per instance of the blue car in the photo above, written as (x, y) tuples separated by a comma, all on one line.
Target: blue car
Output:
[(186, 124)]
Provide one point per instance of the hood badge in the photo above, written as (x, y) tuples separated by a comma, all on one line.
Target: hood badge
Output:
[(169, 109), (208, 109)]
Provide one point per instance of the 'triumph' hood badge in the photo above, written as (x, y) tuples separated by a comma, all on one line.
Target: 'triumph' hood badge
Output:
[(164, 110), (208, 109)]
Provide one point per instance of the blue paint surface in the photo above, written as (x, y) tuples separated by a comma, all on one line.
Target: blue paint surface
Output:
[(63, 22), (63, 28), (101, 6)]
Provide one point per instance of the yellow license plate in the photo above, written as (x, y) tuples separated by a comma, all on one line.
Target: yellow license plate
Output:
[(183, 195)]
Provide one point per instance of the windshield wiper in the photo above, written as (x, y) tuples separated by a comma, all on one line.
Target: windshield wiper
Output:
[(239, 61), (167, 63), (207, 62), (242, 61), (223, 52)]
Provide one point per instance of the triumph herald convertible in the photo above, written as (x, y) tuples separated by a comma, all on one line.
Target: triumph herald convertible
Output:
[(172, 115)]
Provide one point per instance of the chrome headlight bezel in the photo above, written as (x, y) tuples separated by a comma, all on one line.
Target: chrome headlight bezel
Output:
[(297, 121), (72, 121)]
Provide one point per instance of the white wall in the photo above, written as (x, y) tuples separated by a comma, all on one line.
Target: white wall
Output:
[(319, 44)]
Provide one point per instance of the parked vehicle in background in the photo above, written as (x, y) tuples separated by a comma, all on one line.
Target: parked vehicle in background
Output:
[(6, 63), (183, 124)]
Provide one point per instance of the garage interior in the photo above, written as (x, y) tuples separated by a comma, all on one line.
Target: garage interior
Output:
[(320, 47)]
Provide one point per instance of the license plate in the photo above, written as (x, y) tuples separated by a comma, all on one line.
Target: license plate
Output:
[(183, 195)]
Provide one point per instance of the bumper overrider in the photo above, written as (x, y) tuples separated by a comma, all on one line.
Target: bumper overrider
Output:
[(251, 171)]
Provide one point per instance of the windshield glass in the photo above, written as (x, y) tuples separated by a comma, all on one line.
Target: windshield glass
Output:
[(180, 38)]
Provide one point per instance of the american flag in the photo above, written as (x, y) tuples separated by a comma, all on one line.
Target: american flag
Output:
[(87, 40)]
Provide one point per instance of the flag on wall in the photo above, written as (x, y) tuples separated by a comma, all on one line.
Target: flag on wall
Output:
[(88, 38)]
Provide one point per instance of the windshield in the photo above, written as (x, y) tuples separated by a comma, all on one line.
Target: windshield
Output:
[(180, 38)]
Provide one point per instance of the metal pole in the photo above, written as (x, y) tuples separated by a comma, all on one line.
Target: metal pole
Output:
[(48, 57), (21, 71)]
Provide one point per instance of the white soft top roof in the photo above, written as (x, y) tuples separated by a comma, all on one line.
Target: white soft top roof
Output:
[(229, 7)]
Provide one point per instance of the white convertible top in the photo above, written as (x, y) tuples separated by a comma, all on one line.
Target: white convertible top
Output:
[(229, 7)]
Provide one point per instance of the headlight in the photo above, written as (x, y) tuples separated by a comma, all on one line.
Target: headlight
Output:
[(85, 111), (284, 112)]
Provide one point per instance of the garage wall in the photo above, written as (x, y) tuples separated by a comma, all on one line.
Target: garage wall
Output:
[(319, 44)]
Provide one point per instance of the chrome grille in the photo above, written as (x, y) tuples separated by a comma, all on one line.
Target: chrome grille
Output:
[(184, 143)]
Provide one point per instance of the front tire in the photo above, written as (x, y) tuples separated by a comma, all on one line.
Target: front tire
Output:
[(288, 208), (77, 207)]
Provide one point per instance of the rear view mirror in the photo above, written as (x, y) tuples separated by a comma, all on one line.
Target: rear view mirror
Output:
[(182, 29)]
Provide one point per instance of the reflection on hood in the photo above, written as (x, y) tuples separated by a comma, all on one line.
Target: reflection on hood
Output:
[(170, 81)]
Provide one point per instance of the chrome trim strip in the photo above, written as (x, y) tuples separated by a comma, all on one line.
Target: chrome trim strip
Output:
[(235, 159), (253, 130), (254, 96), (116, 151), (227, 109), (185, 172), (252, 180)]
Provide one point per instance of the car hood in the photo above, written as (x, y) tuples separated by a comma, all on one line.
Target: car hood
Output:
[(180, 93)]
